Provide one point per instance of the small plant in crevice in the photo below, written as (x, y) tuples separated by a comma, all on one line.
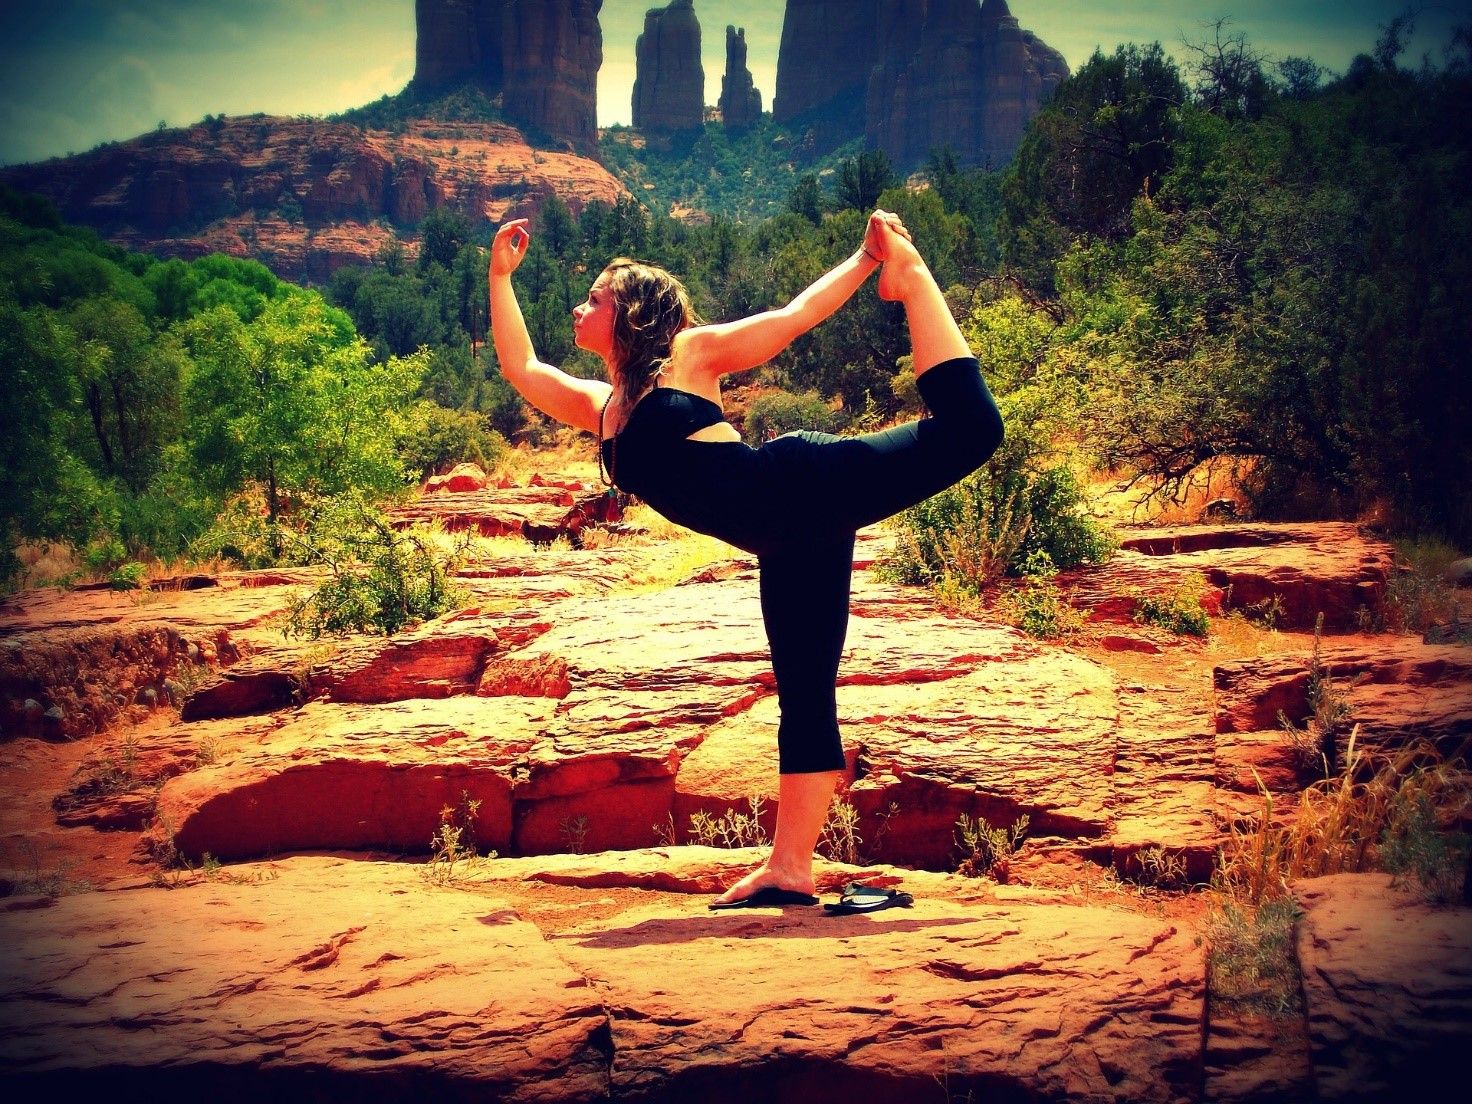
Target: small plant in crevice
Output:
[(574, 833), (988, 850), (36, 878), (1034, 603), (173, 868), (452, 848), (732, 828), (1317, 744), (840, 838), (1267, 613), (1160, 869)]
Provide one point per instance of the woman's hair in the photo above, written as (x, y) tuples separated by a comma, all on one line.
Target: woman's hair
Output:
[(653, 306)]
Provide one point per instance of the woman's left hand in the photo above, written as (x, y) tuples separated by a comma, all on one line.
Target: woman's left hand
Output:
[(874, 233)]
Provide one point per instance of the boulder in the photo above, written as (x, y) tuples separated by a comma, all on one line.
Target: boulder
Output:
[(460, 478), (1387, 986)]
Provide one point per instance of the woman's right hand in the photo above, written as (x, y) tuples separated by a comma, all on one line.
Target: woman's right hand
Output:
[(508, 248), (874, 233)]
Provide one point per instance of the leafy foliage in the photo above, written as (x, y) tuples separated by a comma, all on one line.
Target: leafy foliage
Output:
[(382, 580)]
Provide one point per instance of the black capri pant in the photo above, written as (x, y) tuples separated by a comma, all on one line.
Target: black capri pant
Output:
[(837, 485)]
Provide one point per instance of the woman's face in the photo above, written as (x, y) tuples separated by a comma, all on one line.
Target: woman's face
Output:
[(592, 320)]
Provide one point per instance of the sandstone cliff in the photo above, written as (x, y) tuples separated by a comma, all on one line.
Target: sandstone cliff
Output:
[(552, 51), (669, 90), (305, 197), (542, 56), (914, 74), (823, 66), (456, 41), (741, 103)]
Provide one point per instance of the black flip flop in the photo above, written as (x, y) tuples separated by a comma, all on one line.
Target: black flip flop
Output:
[(857, 897), (767, 897)]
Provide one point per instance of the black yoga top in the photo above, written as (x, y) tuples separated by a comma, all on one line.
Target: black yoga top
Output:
[(709, 486)]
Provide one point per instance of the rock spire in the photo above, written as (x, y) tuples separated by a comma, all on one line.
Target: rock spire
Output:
[(741, 103), (541, 56), (669, 89)]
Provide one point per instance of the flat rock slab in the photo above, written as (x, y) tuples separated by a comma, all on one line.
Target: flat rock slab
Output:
[(355, 975), (1398, 689), (1387, 980), (1295, 572), (321, 971)]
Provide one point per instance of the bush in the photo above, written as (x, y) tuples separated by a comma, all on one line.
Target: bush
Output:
[(434, 440), (382, 580), (1022, 507), (782, 412), (1178, 610)]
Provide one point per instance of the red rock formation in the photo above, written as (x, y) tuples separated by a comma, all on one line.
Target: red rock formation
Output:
[(828, 47), (669, 90), (541, 55), (551, 52), (972, 81), (914, 75), (741, 103), (228, 187), (457, 41)]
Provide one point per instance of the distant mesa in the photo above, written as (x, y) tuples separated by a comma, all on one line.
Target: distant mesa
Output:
[(541, 56), (669, 88), (911, 75), (741, 102)]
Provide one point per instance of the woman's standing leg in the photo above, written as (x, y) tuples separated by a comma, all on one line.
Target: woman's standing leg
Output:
[(805, 596)]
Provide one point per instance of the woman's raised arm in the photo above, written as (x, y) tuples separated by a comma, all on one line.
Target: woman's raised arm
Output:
[(557, 394), (724, 347)]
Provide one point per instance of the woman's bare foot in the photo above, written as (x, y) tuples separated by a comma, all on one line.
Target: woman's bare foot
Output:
[(902, 266), (767, 876)]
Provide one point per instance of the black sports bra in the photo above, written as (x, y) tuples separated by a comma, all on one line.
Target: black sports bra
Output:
[(664, 414)]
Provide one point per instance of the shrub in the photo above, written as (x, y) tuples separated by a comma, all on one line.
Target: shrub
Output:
[(1178, 610), (381, 580), (1021, 506), (434, 439), (780, 412), (1035, 604)]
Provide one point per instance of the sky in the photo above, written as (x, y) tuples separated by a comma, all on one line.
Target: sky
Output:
[(74, 73)]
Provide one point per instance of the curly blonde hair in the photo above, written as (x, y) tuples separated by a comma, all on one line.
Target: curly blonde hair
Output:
[(653, 306)]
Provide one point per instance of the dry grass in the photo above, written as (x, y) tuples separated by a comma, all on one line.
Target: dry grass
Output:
[(1339, 823)]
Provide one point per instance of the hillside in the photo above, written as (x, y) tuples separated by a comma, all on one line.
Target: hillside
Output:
[(305, 196)]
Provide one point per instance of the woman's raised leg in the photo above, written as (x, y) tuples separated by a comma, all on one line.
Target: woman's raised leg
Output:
[(905, 278)]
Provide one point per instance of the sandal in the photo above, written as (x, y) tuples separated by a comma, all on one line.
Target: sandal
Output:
[(857, 897)]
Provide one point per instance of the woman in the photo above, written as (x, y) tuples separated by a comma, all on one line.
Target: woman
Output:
[(795, 502)]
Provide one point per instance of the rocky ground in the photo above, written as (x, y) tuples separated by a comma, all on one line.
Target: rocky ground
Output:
[(595, 704)]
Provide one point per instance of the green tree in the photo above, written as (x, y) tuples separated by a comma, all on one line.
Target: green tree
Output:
[(861, 179), (1104, 139), (442, 234), (286, 402)]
